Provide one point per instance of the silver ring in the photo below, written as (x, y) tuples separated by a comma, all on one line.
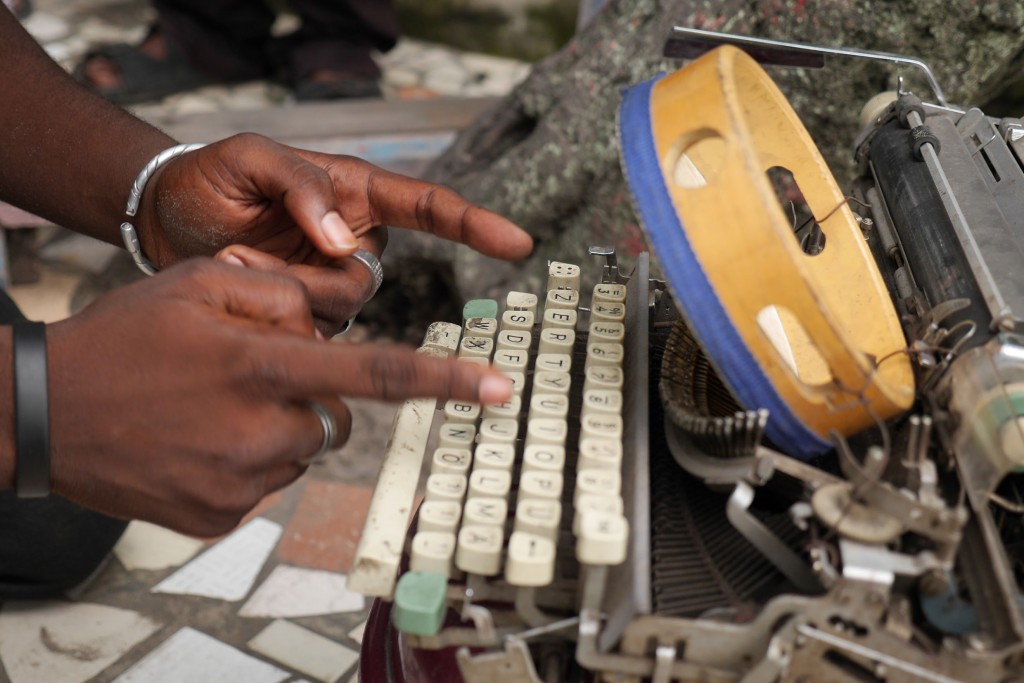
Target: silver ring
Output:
[(330, 428), (372, 264)]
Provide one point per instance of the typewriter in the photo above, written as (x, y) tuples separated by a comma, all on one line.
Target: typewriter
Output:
[(795, 454)]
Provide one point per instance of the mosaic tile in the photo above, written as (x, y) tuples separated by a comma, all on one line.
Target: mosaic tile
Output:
[(148, 546), (325, 528), (303, 650), (66, 642), (190, 656), (228, 569), (298, 592)]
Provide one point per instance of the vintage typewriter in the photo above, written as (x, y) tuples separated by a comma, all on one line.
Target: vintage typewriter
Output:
[(797, 457)]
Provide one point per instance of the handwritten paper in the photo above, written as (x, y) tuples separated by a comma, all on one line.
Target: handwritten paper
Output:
[(227, 570)]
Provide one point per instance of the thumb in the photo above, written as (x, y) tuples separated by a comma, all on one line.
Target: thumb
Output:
[(304, 189)]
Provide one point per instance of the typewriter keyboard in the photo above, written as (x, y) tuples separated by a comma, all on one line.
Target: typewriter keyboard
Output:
[(500, 500)]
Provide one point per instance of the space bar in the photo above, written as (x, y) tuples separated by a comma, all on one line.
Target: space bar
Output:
[(375, 568)]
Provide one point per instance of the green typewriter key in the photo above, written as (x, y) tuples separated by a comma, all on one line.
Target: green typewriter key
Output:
[(480, 308), (420, 603)]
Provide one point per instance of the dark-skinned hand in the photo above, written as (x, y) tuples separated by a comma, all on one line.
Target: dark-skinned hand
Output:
[(254, 202), (184, 399)]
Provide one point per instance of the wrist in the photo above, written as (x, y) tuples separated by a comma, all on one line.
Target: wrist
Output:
[(141, 230)]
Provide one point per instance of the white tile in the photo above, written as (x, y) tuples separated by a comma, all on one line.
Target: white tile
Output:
[(227, 570), (303, 650), (148, 546), (356, 634), (190, 656), (67, 642), (297, 592)]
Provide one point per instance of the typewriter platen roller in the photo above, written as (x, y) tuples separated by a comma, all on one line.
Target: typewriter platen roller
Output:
[(875, 536)]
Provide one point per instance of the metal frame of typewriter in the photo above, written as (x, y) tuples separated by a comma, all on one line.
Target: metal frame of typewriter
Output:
[(934, 598)]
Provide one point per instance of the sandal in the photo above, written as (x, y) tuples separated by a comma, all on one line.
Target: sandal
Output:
[(143, 78), (343, 87)]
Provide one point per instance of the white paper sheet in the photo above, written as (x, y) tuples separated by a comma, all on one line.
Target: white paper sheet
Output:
[(227, 570), (297, 592), (190, 656)]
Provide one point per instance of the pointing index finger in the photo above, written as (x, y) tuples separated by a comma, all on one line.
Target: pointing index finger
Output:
[(390, 373), (406, 202)]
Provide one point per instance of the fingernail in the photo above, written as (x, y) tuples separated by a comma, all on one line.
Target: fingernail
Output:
[(337, 232), (495, 389), (319, 334), (233, 260)]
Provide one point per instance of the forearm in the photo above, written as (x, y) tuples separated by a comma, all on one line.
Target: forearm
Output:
[(65, 154)]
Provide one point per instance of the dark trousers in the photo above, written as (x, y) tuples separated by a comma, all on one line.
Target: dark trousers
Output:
[(230, 39), (48, 545)]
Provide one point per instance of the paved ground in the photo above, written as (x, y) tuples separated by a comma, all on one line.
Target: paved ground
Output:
[(267, 603)]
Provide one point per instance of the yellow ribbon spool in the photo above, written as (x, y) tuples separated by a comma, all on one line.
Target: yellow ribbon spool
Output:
[(821, 327)]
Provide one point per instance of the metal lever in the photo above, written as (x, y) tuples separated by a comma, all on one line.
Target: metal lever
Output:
[(690, 43)]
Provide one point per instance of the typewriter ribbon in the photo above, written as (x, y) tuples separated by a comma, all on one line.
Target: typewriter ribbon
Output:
[(800, 335)]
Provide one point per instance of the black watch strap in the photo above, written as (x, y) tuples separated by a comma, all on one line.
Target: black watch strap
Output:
[(31, 411)]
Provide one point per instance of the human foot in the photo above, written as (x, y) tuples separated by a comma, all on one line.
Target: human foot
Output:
[(128, 74)]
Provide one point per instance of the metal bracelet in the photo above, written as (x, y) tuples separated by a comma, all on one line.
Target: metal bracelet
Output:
[(131, 240)]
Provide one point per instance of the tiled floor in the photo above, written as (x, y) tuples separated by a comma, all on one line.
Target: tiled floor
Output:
[(267, 602)]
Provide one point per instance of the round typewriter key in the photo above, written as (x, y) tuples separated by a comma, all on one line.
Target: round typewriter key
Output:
[(563, 275), (432, 552), (479, 549), (485, 510), (461, 411), (517, 320), (439, 515), (611, 505), (490, 483), (544, 457), (540, 484), (514, 340), (495, 456), (602, 377), (607, 333), (521, 301), (531, 560), (445, 487), (609, 293), (538, 516), (563, 318), (447, 460), (476, 347)]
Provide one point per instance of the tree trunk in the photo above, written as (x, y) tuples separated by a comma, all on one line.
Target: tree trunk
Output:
[(547, 156)]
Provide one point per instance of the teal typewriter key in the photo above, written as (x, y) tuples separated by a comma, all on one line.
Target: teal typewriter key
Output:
[(480, 308), (420, 603)]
